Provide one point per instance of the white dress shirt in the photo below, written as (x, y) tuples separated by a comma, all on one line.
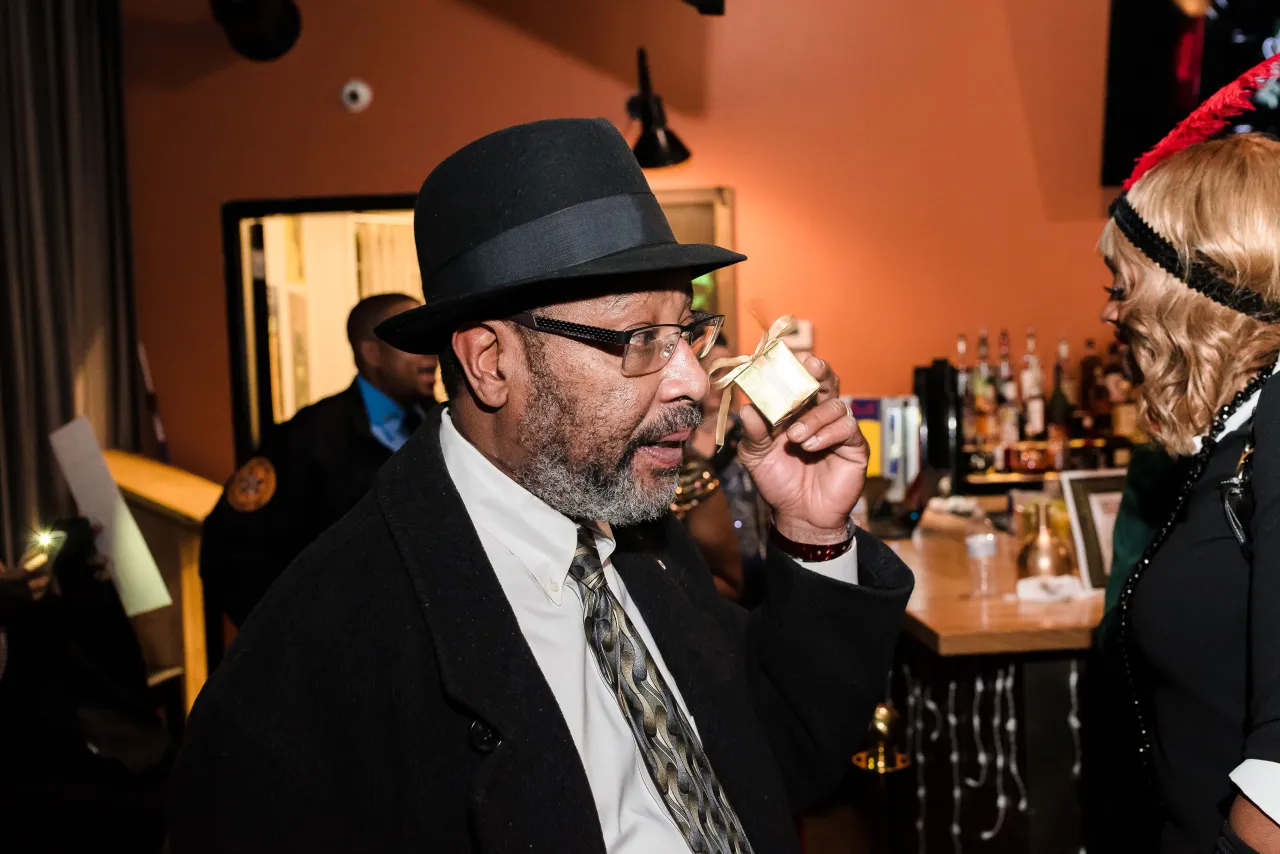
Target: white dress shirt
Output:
[(530, 547)]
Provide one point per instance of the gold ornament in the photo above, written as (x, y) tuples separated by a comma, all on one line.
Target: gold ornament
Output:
[(884, 757), (696, 482), (1043, 553)]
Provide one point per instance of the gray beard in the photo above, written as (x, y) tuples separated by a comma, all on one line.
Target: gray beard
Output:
[(595, 495), (589, 491)]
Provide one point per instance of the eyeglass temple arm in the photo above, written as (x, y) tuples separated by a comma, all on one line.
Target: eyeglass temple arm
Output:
[(571, 330)]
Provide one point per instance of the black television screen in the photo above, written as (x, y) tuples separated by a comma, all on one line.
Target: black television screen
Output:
[(1165, 57)]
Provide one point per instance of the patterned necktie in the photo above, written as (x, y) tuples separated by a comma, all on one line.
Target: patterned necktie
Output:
[(671, 750)]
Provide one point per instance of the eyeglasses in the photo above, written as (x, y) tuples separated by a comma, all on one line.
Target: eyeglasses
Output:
[(644, 350)]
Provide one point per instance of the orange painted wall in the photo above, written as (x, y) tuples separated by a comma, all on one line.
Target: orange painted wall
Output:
[(903, 170)]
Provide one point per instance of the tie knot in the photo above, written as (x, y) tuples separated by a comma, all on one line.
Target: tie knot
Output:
[(586, 560)]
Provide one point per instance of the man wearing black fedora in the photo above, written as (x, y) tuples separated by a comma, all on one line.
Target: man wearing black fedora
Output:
[(509, 645)]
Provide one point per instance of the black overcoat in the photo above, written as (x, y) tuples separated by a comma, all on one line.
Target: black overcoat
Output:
[(382, 697)]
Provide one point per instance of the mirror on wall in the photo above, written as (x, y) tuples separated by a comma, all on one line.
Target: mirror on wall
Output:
[(296, 267)]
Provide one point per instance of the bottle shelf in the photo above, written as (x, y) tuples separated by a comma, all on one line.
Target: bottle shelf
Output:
[(1029, 445), (1011, 478)]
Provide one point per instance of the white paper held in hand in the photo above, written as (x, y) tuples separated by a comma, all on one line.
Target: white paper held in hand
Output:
[(133, 568)]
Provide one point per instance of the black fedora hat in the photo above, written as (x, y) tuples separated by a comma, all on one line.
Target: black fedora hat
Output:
[(515, 218)]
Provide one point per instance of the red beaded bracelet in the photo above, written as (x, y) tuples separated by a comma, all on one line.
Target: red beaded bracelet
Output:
[(809, 552)]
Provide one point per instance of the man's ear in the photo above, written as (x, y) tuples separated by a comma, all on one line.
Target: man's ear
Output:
[(479, 348), (370, 353)]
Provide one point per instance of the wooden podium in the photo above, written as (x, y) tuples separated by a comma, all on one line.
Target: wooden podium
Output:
[(170, 505)]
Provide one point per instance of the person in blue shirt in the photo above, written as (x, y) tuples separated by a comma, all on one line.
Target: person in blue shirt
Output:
[(310, 470)]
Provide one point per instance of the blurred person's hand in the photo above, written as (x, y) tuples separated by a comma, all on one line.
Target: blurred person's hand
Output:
[(32, 578), (28, 580)]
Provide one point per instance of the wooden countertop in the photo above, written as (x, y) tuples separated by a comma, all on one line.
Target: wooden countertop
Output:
[(172, 492), (943, 617)]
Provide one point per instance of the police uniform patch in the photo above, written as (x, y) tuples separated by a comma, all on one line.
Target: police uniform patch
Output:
[(252, 486)]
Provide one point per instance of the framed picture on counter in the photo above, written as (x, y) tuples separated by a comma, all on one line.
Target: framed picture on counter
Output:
[(1093, 502)]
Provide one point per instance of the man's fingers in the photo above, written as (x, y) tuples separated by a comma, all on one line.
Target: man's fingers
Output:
[(755, 429), (38, 585), (827, 409), (844, 433), (828, 382), (836, 433), (818, 417)]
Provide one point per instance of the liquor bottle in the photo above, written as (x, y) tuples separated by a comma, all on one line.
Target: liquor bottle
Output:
[(1007, 413), (964, 391), (1070, 385), (1087, 364), (1094, 394), (1032, 392), (1060, 411), (1124, 409), (984, 391), (1086, 383), (1114, 378)]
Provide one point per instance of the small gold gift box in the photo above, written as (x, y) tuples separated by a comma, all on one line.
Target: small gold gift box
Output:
[(772, 377), (777, 383)]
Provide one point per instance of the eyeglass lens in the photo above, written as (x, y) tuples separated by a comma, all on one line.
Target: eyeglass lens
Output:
[(650, 349)]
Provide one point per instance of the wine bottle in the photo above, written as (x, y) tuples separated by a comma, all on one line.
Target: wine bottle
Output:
[(1060, 411), (1032, 392)]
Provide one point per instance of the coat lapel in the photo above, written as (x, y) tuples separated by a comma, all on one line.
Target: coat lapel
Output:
[(532, 792)]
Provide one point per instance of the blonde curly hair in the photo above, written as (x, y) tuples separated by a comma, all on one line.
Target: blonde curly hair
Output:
[(1221, 200)]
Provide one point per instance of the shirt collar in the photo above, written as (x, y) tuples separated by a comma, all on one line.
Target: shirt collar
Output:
[(380, 408), (1238, 418), (541, 538)]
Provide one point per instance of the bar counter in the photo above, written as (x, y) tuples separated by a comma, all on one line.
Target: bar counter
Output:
[(988, 691), (947, 621)]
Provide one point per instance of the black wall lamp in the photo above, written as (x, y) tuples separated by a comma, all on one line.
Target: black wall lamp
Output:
[(707, 7), (656, 146), (261, 30)]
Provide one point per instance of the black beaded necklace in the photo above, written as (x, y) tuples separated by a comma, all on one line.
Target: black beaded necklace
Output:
[(1198, 464)]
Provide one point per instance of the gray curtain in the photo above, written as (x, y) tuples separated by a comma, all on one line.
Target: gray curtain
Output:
[(67, 342)]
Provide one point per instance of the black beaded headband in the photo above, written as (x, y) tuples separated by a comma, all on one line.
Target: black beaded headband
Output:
[(1200, 276)]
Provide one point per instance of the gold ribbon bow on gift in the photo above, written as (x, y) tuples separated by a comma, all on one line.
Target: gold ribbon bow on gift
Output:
[(736, 366)]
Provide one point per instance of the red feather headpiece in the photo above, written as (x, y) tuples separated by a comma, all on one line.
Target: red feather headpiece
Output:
[(1210, 117), (1200, 274)]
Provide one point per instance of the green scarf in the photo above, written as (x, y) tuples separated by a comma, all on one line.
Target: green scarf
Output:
[(1149, 489)]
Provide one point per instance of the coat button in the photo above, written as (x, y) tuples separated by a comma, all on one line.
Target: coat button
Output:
[(484, 739)]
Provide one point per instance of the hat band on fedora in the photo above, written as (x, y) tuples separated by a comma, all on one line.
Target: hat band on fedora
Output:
[(552, 243)]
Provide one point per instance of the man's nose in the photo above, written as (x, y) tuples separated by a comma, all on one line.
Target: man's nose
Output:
[(684, 375)]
